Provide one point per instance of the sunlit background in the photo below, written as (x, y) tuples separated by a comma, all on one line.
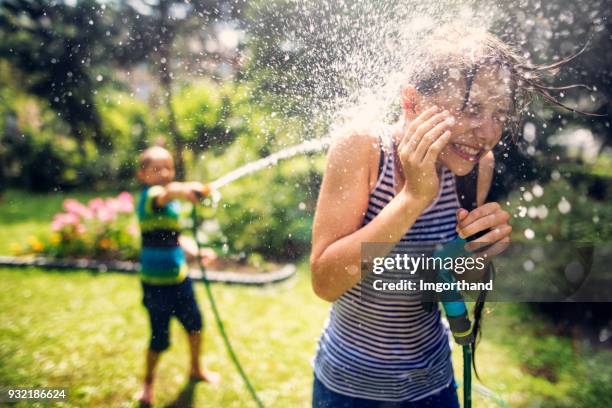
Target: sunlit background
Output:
[(86, 85)]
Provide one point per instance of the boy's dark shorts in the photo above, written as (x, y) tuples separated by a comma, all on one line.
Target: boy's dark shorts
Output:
[(163, 302)]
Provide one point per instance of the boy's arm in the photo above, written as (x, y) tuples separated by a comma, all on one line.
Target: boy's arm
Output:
[(189, 246), (191, 191)]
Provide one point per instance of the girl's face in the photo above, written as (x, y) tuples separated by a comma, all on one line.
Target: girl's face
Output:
[(478, 127)]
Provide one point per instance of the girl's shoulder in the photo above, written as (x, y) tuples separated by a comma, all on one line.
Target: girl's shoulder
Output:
[(358, 142), (356, 150)]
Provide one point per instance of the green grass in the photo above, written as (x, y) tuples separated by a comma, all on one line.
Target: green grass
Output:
[(88, 332)]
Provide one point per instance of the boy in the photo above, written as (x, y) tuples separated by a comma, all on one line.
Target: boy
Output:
[(167, 288)]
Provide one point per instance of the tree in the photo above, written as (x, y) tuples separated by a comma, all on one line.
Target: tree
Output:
[(154, 26), (62, 50)]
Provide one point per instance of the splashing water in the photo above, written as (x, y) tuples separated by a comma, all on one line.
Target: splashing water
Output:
[(350, 60), (345, 62), (309, 146), (341, 64)]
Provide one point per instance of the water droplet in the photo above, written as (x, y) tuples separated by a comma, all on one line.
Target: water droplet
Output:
[(537, 190), (564, 206)]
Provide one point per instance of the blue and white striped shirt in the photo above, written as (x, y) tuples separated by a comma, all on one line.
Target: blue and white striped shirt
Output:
[(383, 345)]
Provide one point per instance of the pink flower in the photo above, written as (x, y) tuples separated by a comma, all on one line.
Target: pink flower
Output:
[(96, 204), (126, 207), (112, 204), (125, 196), (62, 220), (124, 203), (72, 206), (57, 224), (105, 214), (117, 206)]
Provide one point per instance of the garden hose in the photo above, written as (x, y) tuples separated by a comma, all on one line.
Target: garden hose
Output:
[(457, 315), (467, 376), (459, 321), (213, 304)]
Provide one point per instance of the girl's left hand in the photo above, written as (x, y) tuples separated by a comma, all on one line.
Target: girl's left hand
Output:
[(488, 217)]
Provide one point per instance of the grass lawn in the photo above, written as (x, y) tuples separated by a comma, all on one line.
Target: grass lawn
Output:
[(88, 332)]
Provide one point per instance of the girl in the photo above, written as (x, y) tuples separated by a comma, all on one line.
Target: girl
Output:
[(398, 185)]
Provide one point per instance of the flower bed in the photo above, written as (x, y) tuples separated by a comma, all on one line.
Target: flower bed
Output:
[(103, 234), (103, 229)]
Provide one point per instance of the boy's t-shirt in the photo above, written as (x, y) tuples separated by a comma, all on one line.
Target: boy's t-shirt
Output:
[(162, 261)]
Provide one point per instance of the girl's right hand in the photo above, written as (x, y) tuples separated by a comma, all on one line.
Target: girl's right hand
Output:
[(418, 150)]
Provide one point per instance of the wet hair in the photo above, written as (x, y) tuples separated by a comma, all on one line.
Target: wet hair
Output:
[(459, 52), (455, 52), (150, 154)]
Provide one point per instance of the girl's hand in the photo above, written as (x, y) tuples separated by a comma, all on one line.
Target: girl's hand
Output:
[(423, 140), (488, 217)]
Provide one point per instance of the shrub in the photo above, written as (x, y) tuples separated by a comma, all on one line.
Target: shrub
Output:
[(559, 211)]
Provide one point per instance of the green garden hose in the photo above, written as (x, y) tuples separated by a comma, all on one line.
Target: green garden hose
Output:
[(467, 376), (213, 304)]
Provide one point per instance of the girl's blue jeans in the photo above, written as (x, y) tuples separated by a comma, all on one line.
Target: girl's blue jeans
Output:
[(322, 397)]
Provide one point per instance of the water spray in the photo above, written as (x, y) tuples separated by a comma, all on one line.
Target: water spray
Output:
[(309, 146)]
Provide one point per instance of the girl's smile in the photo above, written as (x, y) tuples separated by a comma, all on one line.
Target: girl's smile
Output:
[(466, 152)]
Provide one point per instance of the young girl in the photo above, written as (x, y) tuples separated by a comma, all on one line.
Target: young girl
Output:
[(397, 185)]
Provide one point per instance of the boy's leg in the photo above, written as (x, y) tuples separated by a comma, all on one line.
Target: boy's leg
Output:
[(196, 372), (151, 362), (188, 313), (146, 394), (159, 318)]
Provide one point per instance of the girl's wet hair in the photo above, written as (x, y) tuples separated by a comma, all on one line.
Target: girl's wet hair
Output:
[(452, 52)]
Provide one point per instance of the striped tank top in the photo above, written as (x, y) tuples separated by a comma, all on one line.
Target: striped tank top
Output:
[(383, 345)]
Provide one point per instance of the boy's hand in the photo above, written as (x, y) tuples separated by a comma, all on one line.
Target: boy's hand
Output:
[(488, 217), (208, 256), (191, 190)]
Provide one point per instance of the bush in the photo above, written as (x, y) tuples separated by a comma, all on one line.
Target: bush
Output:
[(269, 212), (40, 152), (559, 211)]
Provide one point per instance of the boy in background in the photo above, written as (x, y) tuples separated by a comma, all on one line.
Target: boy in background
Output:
[(167, 288)]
